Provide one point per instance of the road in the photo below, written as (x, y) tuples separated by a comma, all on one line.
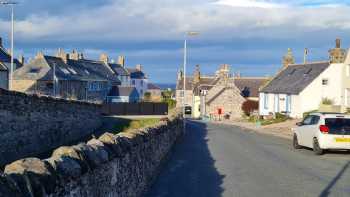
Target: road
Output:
[(221, 160)]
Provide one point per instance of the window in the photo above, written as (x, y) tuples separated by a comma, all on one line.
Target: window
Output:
[(307, 120), (308, 71), (311, 120), (141, 82), (133, 82), (94, 86), (266, 101), (324, 82), (34, 70)]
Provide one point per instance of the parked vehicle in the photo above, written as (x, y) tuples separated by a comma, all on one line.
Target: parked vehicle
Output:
[(323, 131)]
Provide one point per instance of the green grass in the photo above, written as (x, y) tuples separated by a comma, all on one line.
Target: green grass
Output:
[(279, 118), (125, 125)]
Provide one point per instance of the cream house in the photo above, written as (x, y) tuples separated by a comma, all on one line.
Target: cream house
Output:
[(300, 88)]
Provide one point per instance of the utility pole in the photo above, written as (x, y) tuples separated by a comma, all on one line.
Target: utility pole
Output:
[(12, 4), (190, 33)]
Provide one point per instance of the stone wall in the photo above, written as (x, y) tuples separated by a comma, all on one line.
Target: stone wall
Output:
[(31, 125), (114, 165)]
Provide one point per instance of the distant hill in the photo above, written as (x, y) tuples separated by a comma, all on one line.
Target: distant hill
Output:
[(165, 86)]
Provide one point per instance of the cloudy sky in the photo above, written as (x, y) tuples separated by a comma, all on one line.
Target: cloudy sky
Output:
[(250, 35)]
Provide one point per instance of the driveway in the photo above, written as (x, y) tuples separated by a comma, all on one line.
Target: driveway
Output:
[(223, 160)]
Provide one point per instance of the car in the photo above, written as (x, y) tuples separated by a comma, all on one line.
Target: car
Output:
[(323, 131)]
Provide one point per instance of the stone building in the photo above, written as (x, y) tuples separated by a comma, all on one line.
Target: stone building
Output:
[(68, 76), (5, 66), (217, 95)]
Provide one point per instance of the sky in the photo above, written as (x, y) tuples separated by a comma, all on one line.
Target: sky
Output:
[(250, 35)]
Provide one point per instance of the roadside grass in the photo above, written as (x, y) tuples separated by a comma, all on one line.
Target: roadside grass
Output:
[(125, 125), (264, 122)]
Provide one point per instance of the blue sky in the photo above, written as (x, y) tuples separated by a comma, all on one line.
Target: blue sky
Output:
[(250, 35)]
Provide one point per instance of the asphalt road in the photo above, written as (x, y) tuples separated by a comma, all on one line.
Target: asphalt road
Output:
[(222, 160)]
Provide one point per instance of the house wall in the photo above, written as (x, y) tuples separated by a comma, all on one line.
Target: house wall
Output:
[(4, 80), (140, 85), (229, 100), (188, 98), (75, 90), (311, 97), (196, 111), (118, 99)]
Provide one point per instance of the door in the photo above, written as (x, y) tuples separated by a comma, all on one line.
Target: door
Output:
[(288, 104), (307, 130)]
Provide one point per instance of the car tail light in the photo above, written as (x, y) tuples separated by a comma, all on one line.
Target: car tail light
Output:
[(324, 129)]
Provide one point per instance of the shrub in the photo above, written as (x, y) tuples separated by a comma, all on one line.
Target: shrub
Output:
[(249, 106), (280, 116), (327, 101), (308, 113)]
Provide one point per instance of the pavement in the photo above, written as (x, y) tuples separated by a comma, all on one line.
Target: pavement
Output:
[(225, 160)]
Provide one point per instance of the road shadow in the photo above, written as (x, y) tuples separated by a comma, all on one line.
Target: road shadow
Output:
[(327, 191), (191, 170)]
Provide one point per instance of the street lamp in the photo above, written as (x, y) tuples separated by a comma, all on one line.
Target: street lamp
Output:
[(187, 35), (11, 4)]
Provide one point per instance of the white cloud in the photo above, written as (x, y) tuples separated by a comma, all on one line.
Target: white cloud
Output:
[(250, 3)]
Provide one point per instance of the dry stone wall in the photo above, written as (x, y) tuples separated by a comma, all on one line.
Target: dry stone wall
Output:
[(114, 165), (31, 125)]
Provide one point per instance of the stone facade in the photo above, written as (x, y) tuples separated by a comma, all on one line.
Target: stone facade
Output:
[(224, 98), (123, 165), (337, 55), (31, 125)]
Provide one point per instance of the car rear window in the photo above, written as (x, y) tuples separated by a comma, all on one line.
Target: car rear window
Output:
[(338, 126)]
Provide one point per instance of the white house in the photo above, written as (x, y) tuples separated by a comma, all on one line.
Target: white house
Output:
[(300, 88), (138, 80)]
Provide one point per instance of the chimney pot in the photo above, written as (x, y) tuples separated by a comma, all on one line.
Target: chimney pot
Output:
[(139, 67), (338, 43), (21, 59), (121, 60), (104, 58)]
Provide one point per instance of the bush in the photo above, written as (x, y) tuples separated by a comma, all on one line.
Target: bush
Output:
[(308, 113), (327, 101), (280, 116), (249, 106)]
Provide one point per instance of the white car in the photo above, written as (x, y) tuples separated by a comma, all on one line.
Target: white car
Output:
[(323, 131)]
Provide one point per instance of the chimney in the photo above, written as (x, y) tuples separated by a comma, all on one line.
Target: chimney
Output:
[(39, 55), (197, 75), (121, 60), (139, 67), (179, 75), (81, 56), (337, 43), (288, 59), (104, 58), (337, 55), (61, 54), (21, 59), (74, 55)]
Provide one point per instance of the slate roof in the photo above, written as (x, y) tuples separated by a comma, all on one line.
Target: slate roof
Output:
[(122, 91), (250, 86), (5, 58), (136, 74), (42, 69), (295, 78), (119, 69), (152, 86)]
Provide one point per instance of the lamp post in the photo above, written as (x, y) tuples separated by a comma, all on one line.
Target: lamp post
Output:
[(187, 35), (11, 4)]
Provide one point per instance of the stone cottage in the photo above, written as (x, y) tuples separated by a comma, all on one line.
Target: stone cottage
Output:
[(68, 76), (217, 95)]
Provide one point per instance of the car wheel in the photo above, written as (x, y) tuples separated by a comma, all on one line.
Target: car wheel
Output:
[(295, 142), (317, 149)]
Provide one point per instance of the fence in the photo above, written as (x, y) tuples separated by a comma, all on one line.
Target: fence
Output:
[(120, 109)]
